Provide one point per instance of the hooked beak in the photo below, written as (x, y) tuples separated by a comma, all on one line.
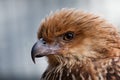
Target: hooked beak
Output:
[(34, 52), (41, 48)]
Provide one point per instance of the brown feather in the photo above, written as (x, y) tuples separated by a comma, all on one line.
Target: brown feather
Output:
[(93, 54)]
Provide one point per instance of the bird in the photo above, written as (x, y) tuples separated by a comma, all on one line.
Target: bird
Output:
[(79, 45)]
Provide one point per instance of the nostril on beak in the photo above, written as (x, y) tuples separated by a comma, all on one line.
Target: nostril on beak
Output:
[(44, 42)]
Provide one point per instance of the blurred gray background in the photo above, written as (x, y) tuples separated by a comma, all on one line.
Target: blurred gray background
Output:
[(19, 21)]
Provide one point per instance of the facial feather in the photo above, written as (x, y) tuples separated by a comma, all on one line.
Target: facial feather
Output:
[(79, 45), (92, 33)]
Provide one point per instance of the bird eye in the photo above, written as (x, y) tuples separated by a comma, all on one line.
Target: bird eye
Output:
[(68, 36)]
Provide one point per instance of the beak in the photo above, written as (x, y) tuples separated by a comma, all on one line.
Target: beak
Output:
[(41, 48), (34, 52)]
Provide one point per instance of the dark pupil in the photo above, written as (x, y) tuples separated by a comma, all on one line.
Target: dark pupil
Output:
[(68, 36)]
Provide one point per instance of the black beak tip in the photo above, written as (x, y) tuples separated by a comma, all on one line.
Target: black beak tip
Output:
[(33, 58), (33, 54)]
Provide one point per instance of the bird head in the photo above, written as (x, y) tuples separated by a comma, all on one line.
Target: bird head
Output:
[(71, 33)]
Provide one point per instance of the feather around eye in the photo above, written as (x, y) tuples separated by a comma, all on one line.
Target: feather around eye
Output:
[(68, 36)]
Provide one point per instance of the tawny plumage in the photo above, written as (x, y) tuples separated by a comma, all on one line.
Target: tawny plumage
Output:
[(79, 46)]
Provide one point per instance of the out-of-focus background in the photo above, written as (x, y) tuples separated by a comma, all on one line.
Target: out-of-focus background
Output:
[(19, 21)]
